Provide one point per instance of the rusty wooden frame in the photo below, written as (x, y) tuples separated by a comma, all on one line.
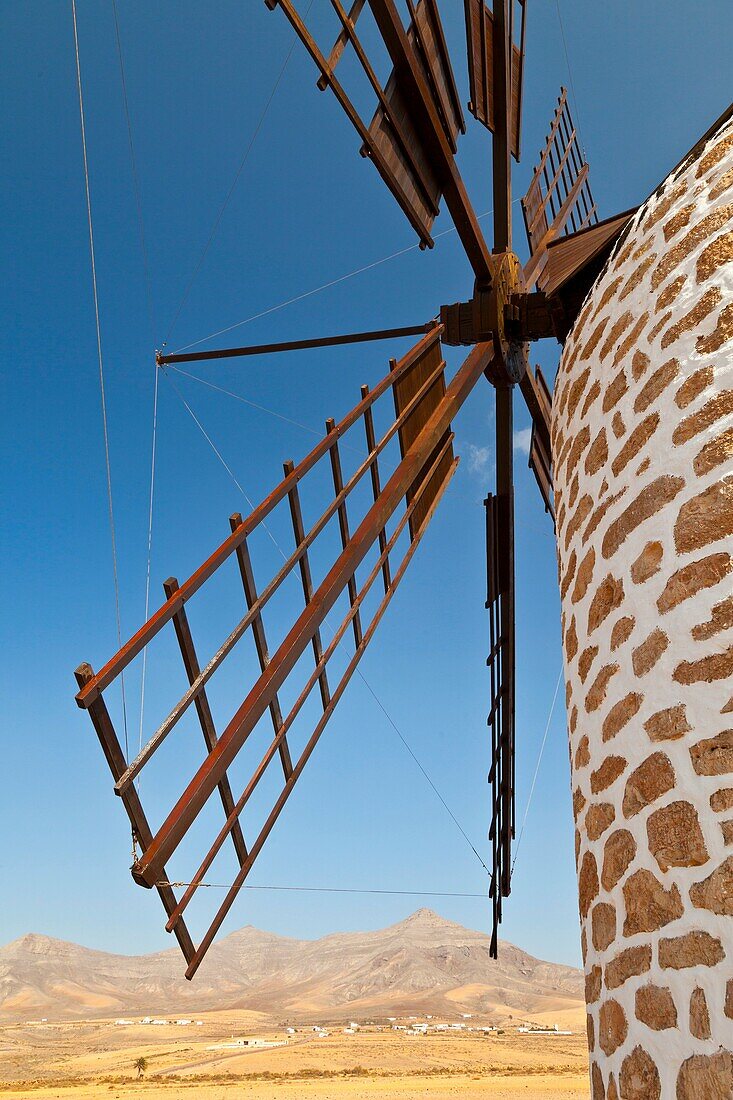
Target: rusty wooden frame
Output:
[(426, 374), (406, 363), (558, 199), (414, 479)]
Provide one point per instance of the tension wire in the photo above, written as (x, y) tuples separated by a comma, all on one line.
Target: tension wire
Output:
[(100, 361)]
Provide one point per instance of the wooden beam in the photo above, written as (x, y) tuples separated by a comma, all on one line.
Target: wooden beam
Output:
[(502, 164), (295, 345), (338, 486), (258, 633), (341, 41), (296, 516), (206, 721), (142, 832)]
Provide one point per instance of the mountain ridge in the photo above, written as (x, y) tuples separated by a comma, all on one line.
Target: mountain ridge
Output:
[(424, 962)]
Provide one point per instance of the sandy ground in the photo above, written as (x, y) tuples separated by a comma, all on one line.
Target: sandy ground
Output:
[(92, 1059)]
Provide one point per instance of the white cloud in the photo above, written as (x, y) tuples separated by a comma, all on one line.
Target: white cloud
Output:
[(479, 459), (522, 440)]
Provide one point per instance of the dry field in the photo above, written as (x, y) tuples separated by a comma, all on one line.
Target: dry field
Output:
[(85, 1060)]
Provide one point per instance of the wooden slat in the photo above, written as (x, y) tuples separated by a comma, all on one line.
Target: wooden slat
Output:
[(404, 389), (203, 710), (105, 731), (341, 41), (258, 633), (427, 35), (296, 516), (420, 186), (516, 93), (376, 487), (338, 485), (307, 751)]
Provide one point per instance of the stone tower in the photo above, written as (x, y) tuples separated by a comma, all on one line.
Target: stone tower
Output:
[(643, 454)]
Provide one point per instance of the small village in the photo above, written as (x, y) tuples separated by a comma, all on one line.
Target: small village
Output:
[(409, 1026)]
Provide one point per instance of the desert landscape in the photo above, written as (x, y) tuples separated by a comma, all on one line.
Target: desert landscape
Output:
[(414, 1010)]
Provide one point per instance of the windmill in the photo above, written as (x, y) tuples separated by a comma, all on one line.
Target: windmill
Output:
[(412, 141)]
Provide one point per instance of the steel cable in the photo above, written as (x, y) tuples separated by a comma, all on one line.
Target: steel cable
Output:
[(100, 361), (151, 323), (231, 190)]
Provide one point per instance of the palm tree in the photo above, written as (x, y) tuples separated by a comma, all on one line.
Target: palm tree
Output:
[(141, 1065)]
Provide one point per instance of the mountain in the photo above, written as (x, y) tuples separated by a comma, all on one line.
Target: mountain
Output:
[(425, 964)]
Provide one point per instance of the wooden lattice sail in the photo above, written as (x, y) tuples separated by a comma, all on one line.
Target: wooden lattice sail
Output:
[(412, 137), (406, 498)]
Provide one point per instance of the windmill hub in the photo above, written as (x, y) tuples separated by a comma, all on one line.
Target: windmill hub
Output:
[(488, 317)]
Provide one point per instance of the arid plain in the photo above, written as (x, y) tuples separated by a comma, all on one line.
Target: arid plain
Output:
[(414, 1010), (82, 1060)]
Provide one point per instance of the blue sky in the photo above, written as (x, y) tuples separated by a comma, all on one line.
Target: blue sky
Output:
[(306, 210)]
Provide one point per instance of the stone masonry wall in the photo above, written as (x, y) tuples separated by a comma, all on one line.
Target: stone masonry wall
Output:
[(643, 452)]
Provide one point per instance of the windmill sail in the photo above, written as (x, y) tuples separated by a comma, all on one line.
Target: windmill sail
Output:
[(409, 159), (558, 199), (500, 606), (424, 408), (569, 245), (412, 136)]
